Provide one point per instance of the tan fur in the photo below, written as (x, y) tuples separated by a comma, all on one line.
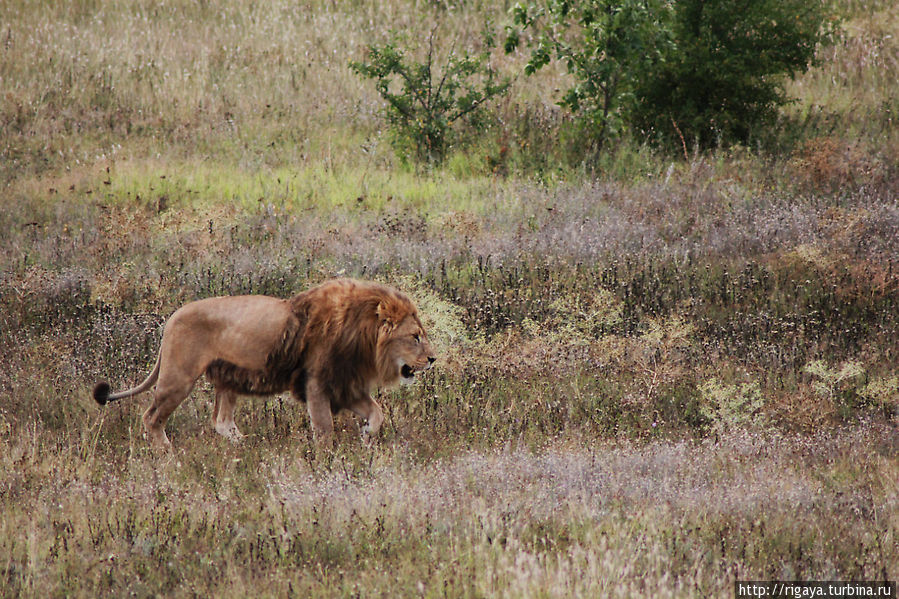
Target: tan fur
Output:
[(329, 346)]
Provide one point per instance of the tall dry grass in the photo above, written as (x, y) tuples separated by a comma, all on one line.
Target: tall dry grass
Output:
[(253, 85), (655, 375), (679, 520)]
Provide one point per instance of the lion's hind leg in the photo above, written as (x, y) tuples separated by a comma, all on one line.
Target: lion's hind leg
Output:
[(223, 414), (169, 395)]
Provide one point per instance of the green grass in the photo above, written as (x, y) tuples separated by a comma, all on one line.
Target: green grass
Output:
[(289, 189), (658, 373)]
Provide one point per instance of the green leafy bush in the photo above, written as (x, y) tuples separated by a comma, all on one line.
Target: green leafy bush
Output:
[(839, 386), (693, 71), (431, 96), (606, 46), (722, 78)]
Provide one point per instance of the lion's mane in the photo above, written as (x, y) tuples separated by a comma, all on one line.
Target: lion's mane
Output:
[(338, 332)]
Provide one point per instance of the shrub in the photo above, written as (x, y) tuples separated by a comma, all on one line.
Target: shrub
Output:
[(730, 406), (431, 98), (840, 387), (692, 71), (605, 45), (723, 76)]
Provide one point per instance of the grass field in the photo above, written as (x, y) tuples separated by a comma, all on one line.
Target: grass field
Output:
[(658, 373)]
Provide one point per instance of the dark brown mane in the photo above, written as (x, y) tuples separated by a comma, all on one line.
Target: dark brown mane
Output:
[(350, 360)]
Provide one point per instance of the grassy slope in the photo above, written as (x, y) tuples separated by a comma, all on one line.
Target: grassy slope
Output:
[(599, 335)]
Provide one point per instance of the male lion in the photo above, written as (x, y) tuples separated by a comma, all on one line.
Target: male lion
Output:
[(329, 346)]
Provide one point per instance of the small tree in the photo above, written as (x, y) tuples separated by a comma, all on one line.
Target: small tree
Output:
[(723, 77), (605, 44), (697, 71), (731, 406), (424, 100)]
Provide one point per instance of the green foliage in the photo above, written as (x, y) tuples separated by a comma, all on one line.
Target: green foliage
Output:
[(606, 45), (838, 386), (696, 71), (882, 393), (433, 94), (723, 76), (731, 406)]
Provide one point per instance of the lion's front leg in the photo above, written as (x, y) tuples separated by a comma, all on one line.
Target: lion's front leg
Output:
[(319, 407), (223, 415), (374, 417)]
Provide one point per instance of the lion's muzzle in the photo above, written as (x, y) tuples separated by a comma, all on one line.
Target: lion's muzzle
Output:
[(407, 372)]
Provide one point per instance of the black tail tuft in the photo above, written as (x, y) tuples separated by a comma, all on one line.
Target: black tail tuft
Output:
[(101, 393)]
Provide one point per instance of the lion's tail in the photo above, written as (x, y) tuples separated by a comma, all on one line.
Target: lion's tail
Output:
[(103, 396)]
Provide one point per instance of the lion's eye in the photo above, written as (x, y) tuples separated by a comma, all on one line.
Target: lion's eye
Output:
[(417, 338)]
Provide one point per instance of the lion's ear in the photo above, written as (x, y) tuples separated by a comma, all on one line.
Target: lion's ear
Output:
[(386, 314), (390, 313)]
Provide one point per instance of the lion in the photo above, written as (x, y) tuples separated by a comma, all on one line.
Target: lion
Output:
[(329, 346)]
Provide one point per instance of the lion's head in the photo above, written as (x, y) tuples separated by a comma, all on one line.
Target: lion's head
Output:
[(402, 344), (403, 347), (371, 335)]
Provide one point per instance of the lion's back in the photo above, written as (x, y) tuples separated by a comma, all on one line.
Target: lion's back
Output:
[(242, 329)]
